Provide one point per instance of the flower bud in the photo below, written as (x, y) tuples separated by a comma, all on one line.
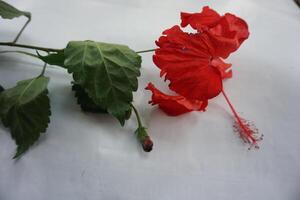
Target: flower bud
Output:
[(147, 144), (144, 139)]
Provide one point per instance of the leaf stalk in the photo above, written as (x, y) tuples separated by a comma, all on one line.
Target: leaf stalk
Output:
[(145, 51), (21, 31), (21, 52), (11, 44), (44, 69)]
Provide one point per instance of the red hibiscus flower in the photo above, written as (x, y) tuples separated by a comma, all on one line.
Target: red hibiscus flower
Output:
[(193, 64)]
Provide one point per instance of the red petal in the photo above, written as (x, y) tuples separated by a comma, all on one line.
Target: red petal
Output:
[(174, 105), (224, 68), (207, 18), (192, 45), (228, 35), (184, 59)]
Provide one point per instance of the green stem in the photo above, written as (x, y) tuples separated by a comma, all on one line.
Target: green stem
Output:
[(22, 29), (44, 69), (21, 52), (145, 51), (137, 116), (11, 44)]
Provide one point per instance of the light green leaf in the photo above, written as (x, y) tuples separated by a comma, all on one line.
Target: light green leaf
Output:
[(107, 72), (9, 12), (25, 110)]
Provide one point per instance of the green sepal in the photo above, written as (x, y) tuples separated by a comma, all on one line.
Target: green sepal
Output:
[(141, 133), (144, 138)]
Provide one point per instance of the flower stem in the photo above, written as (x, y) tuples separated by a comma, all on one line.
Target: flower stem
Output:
[(11, 44), (137, 116), (145, 51), (21, 31)]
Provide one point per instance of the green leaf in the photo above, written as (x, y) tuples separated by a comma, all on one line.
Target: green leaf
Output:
[(9, 12), (1, 89), (107, 72), (128, 114), (54, 58), (25, 110), (85, 102)]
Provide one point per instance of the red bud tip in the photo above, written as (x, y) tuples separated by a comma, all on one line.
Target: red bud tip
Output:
[(147, 144)]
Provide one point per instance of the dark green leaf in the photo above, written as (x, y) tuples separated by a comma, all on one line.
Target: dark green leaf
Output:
[(1, 89), (9, 12), (128, 114), (25, 110), (85, 102), (54, 58), (107, 72)]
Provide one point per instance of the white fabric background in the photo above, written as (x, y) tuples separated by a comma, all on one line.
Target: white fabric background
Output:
[(195, 156)]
